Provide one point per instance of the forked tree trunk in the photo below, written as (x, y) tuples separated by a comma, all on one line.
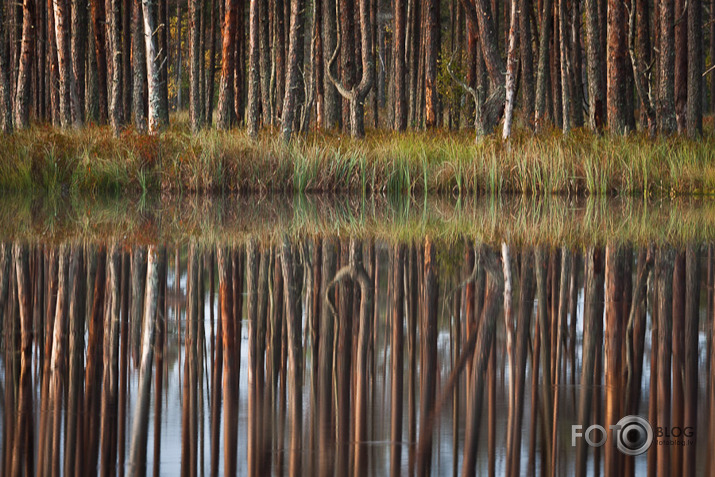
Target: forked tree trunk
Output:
[(357, 94)]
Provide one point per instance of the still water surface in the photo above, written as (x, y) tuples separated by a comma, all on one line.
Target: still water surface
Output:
[(350, 353)]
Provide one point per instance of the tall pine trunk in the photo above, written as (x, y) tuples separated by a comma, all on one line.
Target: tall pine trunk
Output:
[(24, 78), (226, 115), (151, 38), (254, 85), (5, 88), (666, 66), (399, 72), (195, 110), (432, 43), (596, 100), (115, 104), (295, 57), (695, 66), (139, 66), (100, 48), (616, 90), (79, 47)]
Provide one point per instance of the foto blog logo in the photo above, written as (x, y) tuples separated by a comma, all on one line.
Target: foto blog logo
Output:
[(633, 435)]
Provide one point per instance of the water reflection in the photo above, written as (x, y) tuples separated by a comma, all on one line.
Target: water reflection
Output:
[(331, 355)]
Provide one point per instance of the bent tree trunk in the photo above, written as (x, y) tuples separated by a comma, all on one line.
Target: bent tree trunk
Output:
[(479, 13), (357, 94)]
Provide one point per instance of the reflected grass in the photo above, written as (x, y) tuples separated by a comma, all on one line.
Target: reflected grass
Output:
[(552, 220)]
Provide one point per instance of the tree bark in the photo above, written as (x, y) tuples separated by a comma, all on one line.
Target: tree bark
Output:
[(127, 35), (100, 48), (5, 88), (113, 23), (432, 41), (680, 30), (226, 114), (596, 113), (264, 61), (211, 76), (512, 63), (295, 60), (139, 66), (399, 72), (616, 90), (666, 67), (79, 46), (332, 117), (24, 78), (254, 85), (695, 66), (151, 38), (542, 78), (527, 61), (195, 110), (67, 91)]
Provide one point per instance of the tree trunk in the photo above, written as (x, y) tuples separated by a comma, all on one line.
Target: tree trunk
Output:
[(512, 63), (295, 60), (126, 59), (79, 45), (332, 117), (527, 61), (151, 38), (616, 89), (254, 85), (113, 24), (666, 67), (5, 88), (163, 60), (596, 98), (140, 426), (432, 42), (100, 48), (211, 77), (399, 71), (680, 30), (62, 20), (264, 61), (542, 78), (139, 66), (695, 66), (565, 60), (195, 110), (226, 114), (24, 78), (664, 266)]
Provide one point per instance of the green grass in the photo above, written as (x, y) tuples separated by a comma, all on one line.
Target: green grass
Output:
[(581, 163)]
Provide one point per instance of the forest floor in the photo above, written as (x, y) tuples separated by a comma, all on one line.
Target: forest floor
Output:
[(92, 161)]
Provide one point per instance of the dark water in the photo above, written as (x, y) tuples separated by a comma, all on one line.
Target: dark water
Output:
[(351, 354)]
